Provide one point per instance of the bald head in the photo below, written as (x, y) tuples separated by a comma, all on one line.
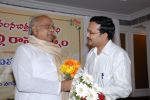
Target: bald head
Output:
[(42, 27), (37, 20)]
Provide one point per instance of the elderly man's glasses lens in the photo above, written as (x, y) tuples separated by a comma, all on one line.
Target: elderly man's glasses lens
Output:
[(48, 26)]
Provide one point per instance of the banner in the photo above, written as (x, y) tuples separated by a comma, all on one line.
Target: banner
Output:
[(14, 26)]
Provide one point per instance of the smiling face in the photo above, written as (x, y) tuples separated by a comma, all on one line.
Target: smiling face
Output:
[(43, 28)]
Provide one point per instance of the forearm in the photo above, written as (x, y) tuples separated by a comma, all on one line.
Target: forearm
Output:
[(36, 85)]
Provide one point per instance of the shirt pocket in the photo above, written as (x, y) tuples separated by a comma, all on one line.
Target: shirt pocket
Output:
[(103, 79)]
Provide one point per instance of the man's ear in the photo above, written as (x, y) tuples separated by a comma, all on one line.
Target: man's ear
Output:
[(34, 30), (105, 35)]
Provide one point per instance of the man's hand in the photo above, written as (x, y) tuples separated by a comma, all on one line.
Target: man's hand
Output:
[(66, 85)]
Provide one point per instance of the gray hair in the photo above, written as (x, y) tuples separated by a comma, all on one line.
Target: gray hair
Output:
[(32, 21)]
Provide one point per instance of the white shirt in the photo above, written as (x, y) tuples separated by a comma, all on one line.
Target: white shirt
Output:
[(111, 70), (35, 74)]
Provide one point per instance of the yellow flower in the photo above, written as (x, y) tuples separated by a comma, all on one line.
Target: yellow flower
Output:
[(70, 67)]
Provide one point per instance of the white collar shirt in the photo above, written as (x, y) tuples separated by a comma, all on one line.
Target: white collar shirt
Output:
[(111, 70)]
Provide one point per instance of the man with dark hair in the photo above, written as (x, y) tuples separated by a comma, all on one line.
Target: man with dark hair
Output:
[(109, 64)]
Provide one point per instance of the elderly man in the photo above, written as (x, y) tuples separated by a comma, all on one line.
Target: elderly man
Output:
[(35, 65)]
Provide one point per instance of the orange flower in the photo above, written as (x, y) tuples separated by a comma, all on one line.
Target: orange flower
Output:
[(70, 67)]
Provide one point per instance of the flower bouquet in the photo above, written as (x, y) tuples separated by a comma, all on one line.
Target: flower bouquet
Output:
[(83, 88), (69, 68)]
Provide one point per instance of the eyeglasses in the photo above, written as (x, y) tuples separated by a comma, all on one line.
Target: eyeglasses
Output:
[(92, 33), (48, 26)]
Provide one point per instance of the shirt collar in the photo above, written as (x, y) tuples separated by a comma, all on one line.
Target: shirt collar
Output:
[(107, 48)]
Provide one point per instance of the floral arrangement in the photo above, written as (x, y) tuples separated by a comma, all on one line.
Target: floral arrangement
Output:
[(77, 23), (83, 88), (69, 68)]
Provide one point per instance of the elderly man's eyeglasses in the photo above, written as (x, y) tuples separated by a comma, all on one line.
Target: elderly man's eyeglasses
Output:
[(48, 26)]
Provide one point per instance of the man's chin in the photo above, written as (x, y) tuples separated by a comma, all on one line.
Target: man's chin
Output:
[(90, 46)]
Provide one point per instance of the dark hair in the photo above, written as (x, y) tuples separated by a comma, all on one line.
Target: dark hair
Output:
[(106, 25)]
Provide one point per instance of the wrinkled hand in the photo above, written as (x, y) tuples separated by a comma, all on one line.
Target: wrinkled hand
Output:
[(66, 85)]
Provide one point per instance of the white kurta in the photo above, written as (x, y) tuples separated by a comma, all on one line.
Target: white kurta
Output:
[(35, 74), (111, 70)]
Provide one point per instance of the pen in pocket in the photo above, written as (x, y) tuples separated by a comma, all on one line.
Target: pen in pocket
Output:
[(102, 77)]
